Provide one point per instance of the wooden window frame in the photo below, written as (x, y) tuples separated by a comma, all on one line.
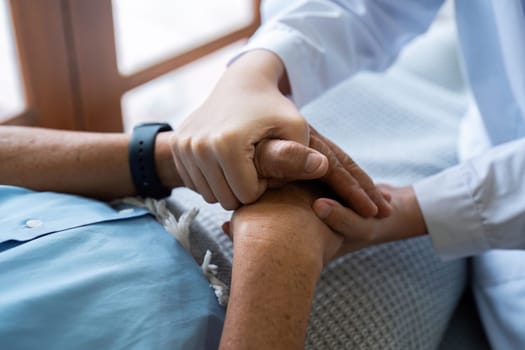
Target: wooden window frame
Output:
[(69, 65)]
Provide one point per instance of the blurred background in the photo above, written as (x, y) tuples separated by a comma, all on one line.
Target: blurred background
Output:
[(106, 65)]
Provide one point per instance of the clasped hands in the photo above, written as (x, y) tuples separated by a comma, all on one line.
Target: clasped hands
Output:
[(278, 164), (247, 137)]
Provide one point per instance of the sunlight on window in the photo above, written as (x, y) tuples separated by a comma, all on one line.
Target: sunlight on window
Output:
[(146, 31), (173, 96), (11, 95)]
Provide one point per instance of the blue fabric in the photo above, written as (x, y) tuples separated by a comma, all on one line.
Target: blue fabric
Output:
[(76, 273)]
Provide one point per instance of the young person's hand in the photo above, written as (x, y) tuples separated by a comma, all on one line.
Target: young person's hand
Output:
[(405, 221), (214, 148)]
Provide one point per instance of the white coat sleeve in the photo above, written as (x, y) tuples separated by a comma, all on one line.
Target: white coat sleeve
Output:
[(322, 42), (477, 205)]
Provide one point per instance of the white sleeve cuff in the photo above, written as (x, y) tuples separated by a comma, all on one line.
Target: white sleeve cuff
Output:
[(299, 58), (452, 217)]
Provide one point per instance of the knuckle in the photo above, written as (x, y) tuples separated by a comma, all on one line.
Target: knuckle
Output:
[(336, 172), (300, 123), (283, 150), (184, 145), (348, 162), (221, 143), (277, 158), (296, 122), (178, 144), (291, 149), (200, 147)]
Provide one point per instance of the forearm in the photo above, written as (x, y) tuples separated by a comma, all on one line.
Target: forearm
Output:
[(270, 300), (279, 250), (90, 164)]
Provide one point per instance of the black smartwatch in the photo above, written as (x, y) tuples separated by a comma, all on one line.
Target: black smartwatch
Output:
[(142, 160)]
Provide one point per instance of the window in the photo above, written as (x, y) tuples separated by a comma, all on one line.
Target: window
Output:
[(11, 92), (174, 95), (78, 58), (148, 31)]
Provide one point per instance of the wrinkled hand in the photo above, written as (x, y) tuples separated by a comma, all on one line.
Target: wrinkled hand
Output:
[(351, 183)]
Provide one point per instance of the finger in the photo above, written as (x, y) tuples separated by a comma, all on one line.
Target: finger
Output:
[(338, 218), (199, 181), (186, 179), (226, 227), (236, 156), (365, 182), (179, 165), (358, 231), (351, 191), (216, 180), (220, 188), (240, 173), (343, 183), (383, 203), (282, 159), (386, 190)]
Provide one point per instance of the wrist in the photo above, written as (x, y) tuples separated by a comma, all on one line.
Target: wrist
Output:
[(406, 220), (164, 163), (278, 237), (304, 257), (260, 66)]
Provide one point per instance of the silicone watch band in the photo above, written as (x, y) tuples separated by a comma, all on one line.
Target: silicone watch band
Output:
[(142, 160)]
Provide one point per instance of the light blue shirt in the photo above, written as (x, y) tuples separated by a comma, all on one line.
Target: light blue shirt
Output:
[(76, 273), (478, 205)]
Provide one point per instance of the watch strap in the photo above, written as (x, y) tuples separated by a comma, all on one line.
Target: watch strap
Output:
[(142, 160)]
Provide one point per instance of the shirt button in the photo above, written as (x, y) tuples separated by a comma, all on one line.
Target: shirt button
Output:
[(34, 223), (126, 211)]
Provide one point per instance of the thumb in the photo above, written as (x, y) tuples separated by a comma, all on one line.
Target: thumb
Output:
[(281, 159)]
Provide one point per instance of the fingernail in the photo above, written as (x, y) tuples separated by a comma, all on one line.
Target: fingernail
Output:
[(313, 162), (323, 210)]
